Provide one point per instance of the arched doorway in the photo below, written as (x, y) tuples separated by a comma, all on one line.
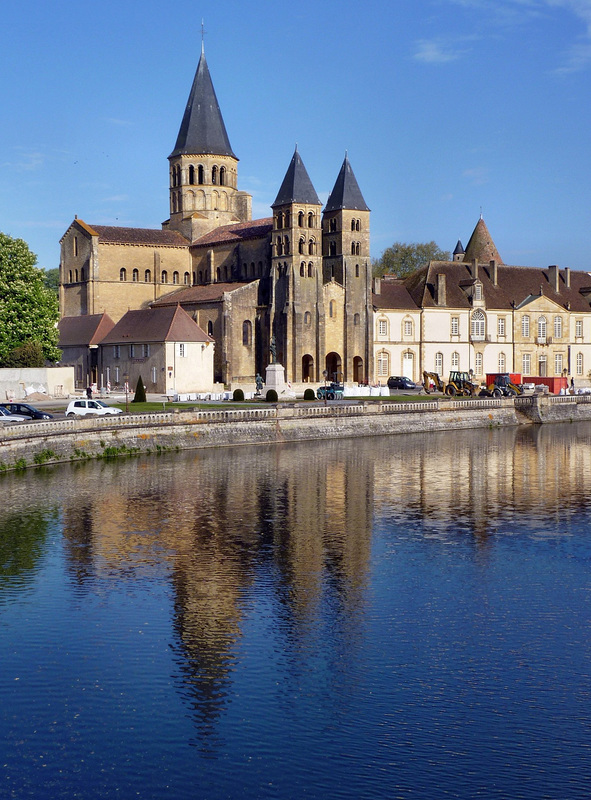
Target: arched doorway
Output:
[(334, 367), (358, 376), (307, 368)]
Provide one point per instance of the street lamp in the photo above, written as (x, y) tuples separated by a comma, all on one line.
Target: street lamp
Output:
[(325, 376), (126, 380)]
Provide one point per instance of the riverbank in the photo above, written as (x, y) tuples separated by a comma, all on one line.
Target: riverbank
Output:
[(35, 444)]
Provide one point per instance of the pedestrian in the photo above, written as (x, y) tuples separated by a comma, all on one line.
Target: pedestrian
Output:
[(572, 385), (89, 392)]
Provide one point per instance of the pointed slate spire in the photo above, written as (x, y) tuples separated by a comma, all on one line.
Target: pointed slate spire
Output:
[(202, 130), (459, 249), (297, 186), (346, 192), (481, 246)]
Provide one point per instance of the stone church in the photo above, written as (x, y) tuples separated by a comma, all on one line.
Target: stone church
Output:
[(299, 279)]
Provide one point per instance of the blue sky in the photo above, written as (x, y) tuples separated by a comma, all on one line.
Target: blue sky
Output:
[(444, 106)]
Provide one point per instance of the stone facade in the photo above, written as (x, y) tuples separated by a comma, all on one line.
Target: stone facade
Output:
[(301, 278)]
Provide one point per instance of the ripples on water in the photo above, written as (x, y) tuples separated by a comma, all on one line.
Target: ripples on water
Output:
[(404, 617)]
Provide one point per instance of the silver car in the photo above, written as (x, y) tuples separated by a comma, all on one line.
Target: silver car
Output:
[(7, 418)]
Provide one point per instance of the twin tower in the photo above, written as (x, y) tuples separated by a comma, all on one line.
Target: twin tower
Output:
[(311, 265)]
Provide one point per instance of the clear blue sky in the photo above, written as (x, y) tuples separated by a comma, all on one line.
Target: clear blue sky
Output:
[(444, 106)]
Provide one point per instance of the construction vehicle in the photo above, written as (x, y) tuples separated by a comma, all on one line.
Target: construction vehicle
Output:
[(432, 382), (502, 385), (460, 383)]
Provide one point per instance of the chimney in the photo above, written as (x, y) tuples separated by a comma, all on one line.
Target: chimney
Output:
[(377, 286), (554, 278), (494, 276), (567, 277), (475, 268), (441, 290)]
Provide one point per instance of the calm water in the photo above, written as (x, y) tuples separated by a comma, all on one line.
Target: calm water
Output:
[(404, 617)]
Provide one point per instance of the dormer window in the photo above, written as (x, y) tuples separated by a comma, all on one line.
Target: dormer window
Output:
[(478, 291)]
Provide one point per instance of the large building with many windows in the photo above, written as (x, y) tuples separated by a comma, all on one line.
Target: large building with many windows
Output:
[(300, 278), (477, 313)]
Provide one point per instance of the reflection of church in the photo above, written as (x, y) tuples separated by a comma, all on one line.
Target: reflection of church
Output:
[(302, 275)]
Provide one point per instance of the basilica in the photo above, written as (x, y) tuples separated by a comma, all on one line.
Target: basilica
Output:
[(300, 277)]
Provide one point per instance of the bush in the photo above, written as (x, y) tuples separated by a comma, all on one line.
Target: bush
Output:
[(140, 392), (238, 395), (271, 396), (309, 394)]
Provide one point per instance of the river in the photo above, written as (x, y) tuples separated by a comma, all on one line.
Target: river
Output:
[(392, 617)]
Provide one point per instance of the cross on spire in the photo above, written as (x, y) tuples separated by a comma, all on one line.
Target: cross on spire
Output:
[(202, 37)]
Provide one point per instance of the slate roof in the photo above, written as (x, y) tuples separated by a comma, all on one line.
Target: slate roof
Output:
[(481, 246), (202, 130), (146, 236), (459, 249), (238, 232), (393, 294), (171, 324), (85, 330), (514, 285), (297, 186), (346, 192), (207, 293)]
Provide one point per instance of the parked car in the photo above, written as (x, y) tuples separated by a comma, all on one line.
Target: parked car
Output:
[(6, 417), (400, 382), (334, 391), (25, 410), (82, 408)]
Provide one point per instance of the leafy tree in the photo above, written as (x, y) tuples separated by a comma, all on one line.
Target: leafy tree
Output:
[(28, 310), (402, 258), (140, 392), (52, 280), (29, 354)]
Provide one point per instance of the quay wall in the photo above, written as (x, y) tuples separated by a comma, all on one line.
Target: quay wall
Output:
[(52, 441)]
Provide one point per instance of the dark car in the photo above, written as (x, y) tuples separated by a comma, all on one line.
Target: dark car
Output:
[(25, 410), (400, 382)]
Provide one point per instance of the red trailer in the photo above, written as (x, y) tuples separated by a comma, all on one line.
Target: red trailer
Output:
[(555, 385)]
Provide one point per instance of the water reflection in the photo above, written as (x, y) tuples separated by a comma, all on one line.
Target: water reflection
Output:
[(236, 531)]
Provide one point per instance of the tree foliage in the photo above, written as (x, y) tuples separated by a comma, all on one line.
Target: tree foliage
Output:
[(52, 280), (402, 258), (28, 310), (140, 392)]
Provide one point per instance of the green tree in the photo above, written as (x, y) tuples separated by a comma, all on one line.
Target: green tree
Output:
[(28, 310), (140, 392), (402, 258), (52, 280)]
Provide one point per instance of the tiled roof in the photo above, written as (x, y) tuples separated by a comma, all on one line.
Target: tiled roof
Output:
[(171, 324), (85, 330), (297, 186), (393, 294), (239, 232), (481, 246), (147, 236), (202, 130), (346, 192), (514, 285), (199, 294)]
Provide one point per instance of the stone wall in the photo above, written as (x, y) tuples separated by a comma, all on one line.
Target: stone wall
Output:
[(39, 443)]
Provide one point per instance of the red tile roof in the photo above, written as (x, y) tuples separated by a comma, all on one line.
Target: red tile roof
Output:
[(210, 292), (241, 231), (146, 236), (171, 324), (85, 330)]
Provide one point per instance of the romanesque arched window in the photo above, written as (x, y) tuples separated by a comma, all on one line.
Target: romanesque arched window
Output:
[(311, 247), (310, 219), (301, 245), (302, 269), (286, 245), (148, 276), (332, 309), (222, 176), (186, 278), (352, 248), (200, 175), (210, 328), (247, 333), (356, 270), (279, 245), (164, 276), (135, 276), (175, 277), (191, 175), (310, 270), (122, 274), (214, 174), (307, 318), (332, 227), (301, 219), (332, 249)]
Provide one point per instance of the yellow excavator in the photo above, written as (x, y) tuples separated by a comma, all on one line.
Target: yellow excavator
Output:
[(460, 383), (432, 382)]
